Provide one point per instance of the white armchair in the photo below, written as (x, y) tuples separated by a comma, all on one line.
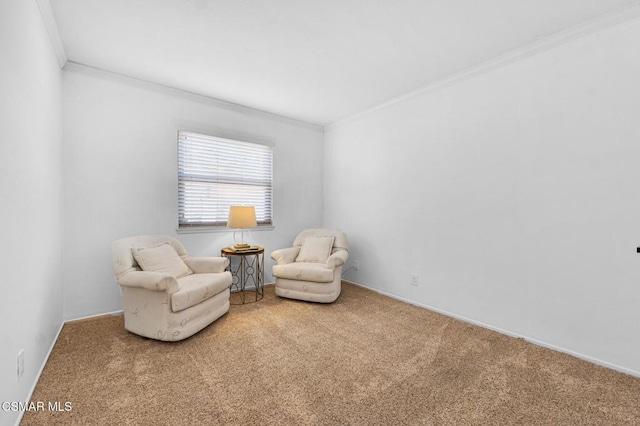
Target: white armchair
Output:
[(167, 295), (311, 270)]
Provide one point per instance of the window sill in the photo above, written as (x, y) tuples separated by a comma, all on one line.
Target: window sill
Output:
[(207, 229)]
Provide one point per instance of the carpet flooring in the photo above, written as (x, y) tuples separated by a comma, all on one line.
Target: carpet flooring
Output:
[(364, 360)]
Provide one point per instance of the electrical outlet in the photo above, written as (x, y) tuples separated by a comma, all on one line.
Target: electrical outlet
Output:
[(414, 280), (20, 363), (356, 265)]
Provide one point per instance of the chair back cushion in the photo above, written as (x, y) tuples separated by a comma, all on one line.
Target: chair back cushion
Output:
[(315, 249), (122, 255), (340, 241), (161, 258)]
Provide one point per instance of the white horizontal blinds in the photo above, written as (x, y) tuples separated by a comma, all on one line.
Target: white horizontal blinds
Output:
[(216, 173)]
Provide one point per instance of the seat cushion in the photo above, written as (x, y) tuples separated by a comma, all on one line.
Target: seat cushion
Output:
[(198, 287), (304, 271)]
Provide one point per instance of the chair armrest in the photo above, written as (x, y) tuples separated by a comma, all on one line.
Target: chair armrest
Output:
[(286, 255), (155, 281), (337, 259), (207, 265)]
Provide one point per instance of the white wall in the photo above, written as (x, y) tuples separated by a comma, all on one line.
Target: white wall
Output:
[(513, 194), (120, 175), (30, 197)]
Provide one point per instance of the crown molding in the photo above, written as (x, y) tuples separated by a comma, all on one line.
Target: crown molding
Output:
[(72, 66), (539, 45), (52, 28)]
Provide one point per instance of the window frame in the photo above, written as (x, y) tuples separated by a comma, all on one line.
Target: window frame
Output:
[(231, 143)]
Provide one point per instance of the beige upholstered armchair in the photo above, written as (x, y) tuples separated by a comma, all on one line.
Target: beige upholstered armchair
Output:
[(167, 295), (311, 270)]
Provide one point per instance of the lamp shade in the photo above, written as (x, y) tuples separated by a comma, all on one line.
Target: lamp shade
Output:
[(242, 217)]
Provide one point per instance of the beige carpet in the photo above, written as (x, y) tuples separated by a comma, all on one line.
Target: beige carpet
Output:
[(364, 360)]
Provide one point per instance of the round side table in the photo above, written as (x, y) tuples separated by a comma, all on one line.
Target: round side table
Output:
[(247, 272)]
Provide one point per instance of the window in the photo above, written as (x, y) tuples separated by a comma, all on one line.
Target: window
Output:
[(215, 173)]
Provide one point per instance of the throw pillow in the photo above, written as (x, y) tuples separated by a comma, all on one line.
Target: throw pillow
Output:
[(315, 249), (161, 258)]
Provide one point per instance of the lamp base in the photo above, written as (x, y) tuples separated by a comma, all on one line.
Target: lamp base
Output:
[(241, 246)]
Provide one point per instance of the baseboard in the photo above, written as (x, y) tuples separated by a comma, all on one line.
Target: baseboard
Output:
[(120, 312), (88, 317), (37, 378), (536, 342)]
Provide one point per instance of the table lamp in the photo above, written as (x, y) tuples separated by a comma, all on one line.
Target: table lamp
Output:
[(241, 217)]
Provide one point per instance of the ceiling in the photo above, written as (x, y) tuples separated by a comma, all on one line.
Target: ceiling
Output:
[(318, 61)]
